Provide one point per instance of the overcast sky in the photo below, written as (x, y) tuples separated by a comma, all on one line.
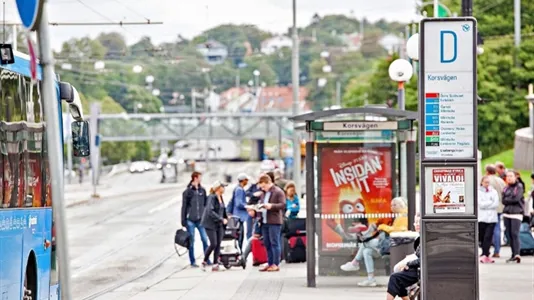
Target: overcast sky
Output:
[(190, 17)]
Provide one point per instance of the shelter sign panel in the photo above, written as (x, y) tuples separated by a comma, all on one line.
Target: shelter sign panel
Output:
[(449, 90)]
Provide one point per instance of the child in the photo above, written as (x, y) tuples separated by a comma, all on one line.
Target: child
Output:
[(292, 200)]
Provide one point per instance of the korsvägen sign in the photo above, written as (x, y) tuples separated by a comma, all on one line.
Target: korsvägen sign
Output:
[(448, 93)]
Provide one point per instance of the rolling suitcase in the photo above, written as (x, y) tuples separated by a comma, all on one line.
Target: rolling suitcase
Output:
[(526, 240), (295, 227), (295, 249), (259, 253)]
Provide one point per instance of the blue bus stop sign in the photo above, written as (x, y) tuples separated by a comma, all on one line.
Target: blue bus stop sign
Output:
[(30, 12)]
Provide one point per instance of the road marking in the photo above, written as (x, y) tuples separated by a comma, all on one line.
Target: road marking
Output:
[(164, 205)]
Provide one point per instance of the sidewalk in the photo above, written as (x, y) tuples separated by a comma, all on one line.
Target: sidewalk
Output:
[(497, 281)]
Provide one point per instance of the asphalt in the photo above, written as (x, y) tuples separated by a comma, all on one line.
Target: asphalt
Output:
[(121, 242), (121, 249)]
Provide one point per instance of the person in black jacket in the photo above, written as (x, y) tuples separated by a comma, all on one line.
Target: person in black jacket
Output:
[(213, 219), (193, 203), (399, 282), (514, 207)]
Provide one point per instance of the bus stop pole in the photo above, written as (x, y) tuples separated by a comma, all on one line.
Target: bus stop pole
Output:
[(55, 152), (310, 207)]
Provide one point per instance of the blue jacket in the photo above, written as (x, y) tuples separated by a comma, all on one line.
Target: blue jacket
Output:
[(236, 206), (293, 211)]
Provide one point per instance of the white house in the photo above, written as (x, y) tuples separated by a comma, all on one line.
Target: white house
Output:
[(391, 42), (270, 46)]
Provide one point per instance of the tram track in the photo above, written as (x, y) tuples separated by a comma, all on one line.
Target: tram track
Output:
[(138, 276)]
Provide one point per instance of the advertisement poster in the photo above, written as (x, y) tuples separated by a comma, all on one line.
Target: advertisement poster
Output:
[(355, 193), (448, 190), (34, 180)]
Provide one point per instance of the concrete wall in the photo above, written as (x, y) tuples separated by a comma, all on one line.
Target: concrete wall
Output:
[(523, 149)]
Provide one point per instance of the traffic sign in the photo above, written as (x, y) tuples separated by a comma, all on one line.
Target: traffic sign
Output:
[(30, 12), (448, 93)]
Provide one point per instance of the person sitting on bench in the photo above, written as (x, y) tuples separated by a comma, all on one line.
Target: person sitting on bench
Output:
[(399, 282)]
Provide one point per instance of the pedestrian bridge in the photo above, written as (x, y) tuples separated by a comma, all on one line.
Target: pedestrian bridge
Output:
[(171, 127)]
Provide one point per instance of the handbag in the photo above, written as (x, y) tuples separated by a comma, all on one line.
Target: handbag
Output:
[(182, 238), (384, 244)]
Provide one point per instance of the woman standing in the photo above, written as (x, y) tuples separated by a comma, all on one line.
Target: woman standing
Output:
[(488, 201), (513, 202), (292, 200), (213, 219)]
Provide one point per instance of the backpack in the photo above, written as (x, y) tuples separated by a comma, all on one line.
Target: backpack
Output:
[(231, 204)]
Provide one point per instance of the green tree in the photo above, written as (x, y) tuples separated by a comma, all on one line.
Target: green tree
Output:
[(115, 44)]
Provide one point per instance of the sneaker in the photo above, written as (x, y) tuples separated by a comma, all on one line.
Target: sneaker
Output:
[(368, 283), (215, 268), (350, 267), (496, 255), (516, 259), (193, 265), (486, 260)]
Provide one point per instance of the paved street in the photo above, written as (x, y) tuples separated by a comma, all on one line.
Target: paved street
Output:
[(498, 281), (119, 238), (121, 249)]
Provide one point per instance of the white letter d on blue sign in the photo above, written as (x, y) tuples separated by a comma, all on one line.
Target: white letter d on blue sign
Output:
[(450, 45)]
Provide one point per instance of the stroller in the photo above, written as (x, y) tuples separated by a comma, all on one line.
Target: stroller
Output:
[(231, 255)]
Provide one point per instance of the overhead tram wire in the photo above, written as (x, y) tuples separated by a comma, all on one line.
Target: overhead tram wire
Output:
[(132, 10)]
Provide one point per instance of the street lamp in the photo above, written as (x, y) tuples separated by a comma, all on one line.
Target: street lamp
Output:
[(156, 92), (327, 69), (256, 74), (412, 47), (149, 79), (401, 70), (137, 69), (137, 107), (100, 65), (325, 54), (530, 99)]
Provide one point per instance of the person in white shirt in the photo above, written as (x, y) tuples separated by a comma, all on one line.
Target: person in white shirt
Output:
[(488, 202)]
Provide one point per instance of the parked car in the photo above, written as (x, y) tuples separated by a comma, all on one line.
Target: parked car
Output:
[(141, 166)]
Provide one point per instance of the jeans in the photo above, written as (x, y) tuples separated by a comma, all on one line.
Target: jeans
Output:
[(485, 235), (512, 229), (249, 225), (497, 235), (271, 240), (368, 252), (203, 237), (257, 231), (215, 236), (241, 234)]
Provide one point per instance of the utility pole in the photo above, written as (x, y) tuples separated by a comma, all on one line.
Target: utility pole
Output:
[(467, 8), (517, 23), (295, 82)]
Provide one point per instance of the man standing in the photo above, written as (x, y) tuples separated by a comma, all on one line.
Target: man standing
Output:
[(193, 203), (501, 170), (498, 184), (274, 203), (236, 206), (279, 181)]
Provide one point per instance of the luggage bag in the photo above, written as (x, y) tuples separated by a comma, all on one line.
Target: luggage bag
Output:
[(526, 240), (295, 249), (259, 253)]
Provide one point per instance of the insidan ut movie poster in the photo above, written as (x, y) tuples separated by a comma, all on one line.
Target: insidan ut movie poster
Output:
[(355, 194)]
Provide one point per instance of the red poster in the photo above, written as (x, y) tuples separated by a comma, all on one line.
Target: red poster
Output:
[(34, 179), (355, 193)]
